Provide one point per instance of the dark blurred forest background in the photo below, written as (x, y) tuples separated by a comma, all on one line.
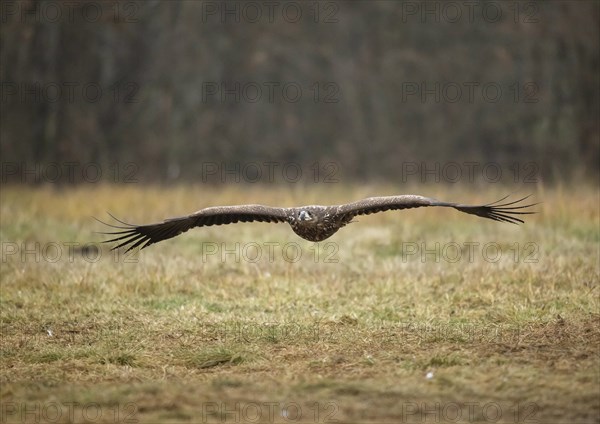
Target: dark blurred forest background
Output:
[(368, 85)]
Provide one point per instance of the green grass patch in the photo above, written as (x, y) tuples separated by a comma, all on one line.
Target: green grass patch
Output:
[(166, 335)]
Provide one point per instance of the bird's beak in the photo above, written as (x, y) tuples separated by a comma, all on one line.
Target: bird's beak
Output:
[(305, 216)]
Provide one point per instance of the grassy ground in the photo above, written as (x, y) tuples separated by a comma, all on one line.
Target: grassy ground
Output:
[(495, 323)]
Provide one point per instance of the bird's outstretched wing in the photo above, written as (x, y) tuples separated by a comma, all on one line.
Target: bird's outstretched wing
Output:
[(143, 236), (505, 212)]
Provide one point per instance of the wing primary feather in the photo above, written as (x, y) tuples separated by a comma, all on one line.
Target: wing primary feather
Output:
[(498, 201), (504, 212), (112, 225), (137, 242), (118, 220), (507, 204), (126, 236)]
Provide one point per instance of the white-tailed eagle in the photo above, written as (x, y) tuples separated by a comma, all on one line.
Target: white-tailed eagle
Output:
[(313, 222)]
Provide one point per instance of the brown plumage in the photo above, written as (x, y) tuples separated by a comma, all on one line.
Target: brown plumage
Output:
[(313, 222)]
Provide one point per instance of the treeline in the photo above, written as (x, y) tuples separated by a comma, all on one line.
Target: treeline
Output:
[(165, 88)]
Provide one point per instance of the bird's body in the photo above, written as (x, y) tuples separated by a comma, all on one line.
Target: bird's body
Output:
[(311, 222), (316, 222)]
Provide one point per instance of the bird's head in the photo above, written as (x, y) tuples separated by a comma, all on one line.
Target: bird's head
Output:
[(305, 216)]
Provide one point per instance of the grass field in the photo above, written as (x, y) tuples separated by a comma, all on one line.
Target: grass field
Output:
[(414, 316)]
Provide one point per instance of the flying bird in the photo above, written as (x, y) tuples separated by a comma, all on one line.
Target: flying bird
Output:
[(312, 222)]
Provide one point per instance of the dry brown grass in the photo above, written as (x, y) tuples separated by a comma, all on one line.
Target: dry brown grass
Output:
[(167, 336)]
